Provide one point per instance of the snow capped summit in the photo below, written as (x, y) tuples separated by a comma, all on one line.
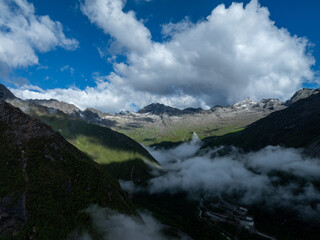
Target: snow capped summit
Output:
[(245, 104)]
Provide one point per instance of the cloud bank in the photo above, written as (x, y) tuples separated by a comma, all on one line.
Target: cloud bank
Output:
[(234, 53), (273, 176), (23, 34)]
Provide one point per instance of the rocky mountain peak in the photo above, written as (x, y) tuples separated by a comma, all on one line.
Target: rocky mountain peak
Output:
[(60, 105), (160, 109), (5, 93), (122, 113), (91, 113), (247, 103), (302, 94)]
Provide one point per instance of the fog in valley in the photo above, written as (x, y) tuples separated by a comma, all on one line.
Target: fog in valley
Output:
[(273, 176), (113, 225)]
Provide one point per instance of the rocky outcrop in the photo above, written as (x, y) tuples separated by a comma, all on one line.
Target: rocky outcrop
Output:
[(302, 94), (60, 105), (251, 105), (160, 109), (5, 93)]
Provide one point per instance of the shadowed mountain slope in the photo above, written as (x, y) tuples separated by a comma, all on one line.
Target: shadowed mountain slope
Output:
[(5, 93), (296, 126), (161, 109), (45, 182), (122, 156)]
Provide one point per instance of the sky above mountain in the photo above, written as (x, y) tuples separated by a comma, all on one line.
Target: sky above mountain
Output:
[(115, 54)]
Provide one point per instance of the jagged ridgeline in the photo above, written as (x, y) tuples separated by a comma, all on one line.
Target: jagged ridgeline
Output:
[(166, 126), (45, 182)]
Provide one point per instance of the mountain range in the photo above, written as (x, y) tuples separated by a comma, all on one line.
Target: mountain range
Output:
[(157, 123), (57, 160), (161, 124)]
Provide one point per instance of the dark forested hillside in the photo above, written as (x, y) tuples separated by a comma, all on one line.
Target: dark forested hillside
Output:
[(45, 182)]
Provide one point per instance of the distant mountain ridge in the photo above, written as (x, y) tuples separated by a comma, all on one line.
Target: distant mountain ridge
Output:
[(160, 109), (60, 105), (156, 123)]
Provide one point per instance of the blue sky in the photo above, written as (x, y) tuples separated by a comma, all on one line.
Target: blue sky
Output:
[(89, 61)]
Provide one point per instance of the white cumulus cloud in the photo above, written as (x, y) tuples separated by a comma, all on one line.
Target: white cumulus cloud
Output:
[(108, 15), (234, 53), (23, 34)]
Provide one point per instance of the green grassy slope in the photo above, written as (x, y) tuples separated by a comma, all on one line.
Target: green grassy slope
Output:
[(121, 155), (179, 132)]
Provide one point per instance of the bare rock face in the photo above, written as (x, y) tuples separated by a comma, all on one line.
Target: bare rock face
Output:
[(272, 104), (160, 109), (250, 105), (60, 105), (5, 93), (91, 113), (302, 94)]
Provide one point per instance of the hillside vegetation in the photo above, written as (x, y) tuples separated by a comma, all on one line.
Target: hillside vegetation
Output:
[(45, 182), (122, 156)]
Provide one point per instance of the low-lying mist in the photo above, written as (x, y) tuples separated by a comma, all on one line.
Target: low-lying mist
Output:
[(113, 225), (274, 176)]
